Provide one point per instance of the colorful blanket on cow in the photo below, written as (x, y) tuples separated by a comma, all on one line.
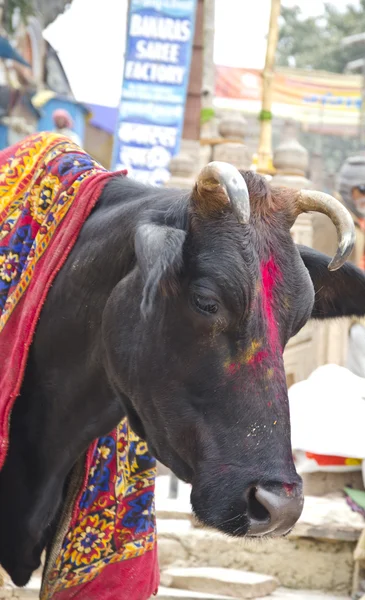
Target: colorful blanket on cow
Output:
[(108, 548), (105, 546)]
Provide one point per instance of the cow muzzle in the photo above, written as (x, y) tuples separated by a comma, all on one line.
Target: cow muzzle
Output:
[(273, 511)]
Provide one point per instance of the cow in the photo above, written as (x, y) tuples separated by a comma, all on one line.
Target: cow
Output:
[(174, 308)]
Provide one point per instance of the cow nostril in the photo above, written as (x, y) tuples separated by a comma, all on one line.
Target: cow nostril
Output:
[(256, 510), (273, 511)]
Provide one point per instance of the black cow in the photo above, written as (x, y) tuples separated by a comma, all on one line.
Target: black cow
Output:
[(174, 308)]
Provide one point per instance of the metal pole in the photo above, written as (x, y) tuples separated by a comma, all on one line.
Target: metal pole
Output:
[(191, 129), (265, 145), (208, 65), (362, 111)]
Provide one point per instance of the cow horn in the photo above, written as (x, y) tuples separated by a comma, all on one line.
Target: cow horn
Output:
[(229, 180), (308, 200)]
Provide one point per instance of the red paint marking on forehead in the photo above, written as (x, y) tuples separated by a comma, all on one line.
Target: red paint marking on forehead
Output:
[(254, 354), (270, 275)]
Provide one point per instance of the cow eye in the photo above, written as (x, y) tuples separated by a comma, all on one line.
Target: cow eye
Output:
[(205, 305)]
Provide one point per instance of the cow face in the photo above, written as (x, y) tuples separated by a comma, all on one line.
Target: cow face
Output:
[(202, 375)]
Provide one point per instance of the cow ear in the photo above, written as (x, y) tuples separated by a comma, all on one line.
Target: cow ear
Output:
[(159, 252), (338, 293)]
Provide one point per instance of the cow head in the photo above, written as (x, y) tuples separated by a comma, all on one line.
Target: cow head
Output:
[(203, 375)]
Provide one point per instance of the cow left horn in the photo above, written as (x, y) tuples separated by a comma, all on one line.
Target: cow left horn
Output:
[(307, 200), (230, 181)]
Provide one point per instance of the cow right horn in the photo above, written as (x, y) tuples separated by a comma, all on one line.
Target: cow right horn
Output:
[(221, 183), (307, 200)]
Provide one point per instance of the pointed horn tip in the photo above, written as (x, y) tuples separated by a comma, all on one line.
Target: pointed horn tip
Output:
[(309, 200), (334, 265), (343, 252)]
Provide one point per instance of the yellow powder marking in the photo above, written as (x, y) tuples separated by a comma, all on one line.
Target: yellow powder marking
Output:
[(226, 363), (247, 355), (270, 373), (251, 351)]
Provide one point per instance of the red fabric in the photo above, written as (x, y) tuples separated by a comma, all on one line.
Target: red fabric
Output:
[(131, 578), (112, 523), (18, 334), (324, 460), (48, 187)]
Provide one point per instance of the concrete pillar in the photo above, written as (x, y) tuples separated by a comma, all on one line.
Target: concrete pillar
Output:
[(317, 171), (325, 342), (184, 166), (291, 162), (230, 147)]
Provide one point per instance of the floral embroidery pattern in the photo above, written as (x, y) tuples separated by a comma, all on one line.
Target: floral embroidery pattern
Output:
[(37, 188), (8, 266), (42, 196), (91, 540), (115, 513)]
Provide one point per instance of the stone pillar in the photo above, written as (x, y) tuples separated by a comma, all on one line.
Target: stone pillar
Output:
[(317, 171), (230, 147), (325, 342), (183, 167), (291, 162), (291, 159)]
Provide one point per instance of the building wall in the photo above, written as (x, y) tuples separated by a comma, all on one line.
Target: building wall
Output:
[(99, 144)]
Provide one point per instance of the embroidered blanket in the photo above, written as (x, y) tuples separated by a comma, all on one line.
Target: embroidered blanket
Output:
[(105, 543)]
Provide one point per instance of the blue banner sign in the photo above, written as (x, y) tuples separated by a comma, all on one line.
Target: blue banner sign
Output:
[(156, 75)]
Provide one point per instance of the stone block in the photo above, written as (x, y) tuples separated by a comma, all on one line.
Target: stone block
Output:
[(175, 594), (224, 582), (287, 594), (310, 562), (171, 552), (328, 519), (28, 594), (236, 154), (321, 483)]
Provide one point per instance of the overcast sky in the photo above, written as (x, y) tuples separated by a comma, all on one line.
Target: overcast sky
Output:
[(90, 39)]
